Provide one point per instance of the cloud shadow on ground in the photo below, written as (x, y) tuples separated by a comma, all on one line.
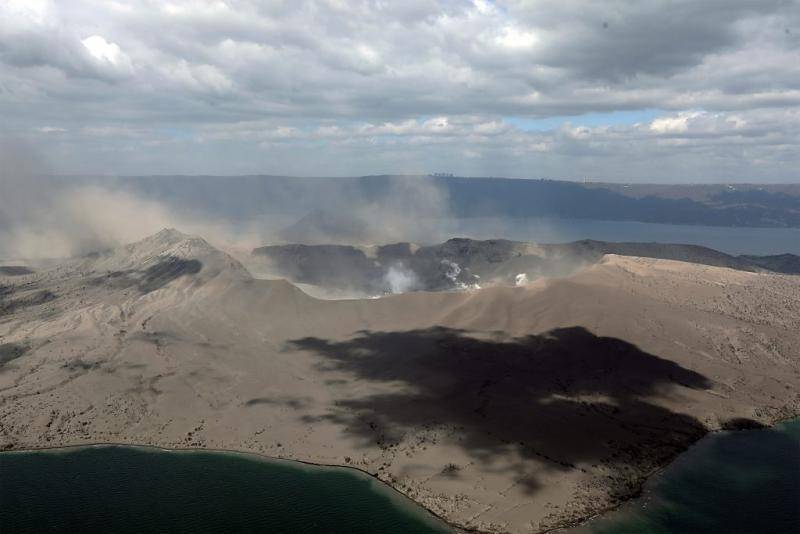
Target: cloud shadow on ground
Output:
[(566, 397)]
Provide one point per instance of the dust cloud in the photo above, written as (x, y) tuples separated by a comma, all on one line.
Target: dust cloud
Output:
[(46, 217)]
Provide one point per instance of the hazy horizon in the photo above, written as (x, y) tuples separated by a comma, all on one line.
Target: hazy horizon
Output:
[(422, 175)]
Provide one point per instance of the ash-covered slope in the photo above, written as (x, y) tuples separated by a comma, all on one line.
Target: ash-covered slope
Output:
[(506, 409), (169, 253), (170, 261), (594, 250), (461, 263)]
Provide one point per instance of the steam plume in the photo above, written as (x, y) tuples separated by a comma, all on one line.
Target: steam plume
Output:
[(399, 279)]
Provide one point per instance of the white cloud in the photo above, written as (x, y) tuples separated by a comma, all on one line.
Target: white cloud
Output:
[(516, 38), (35, 12), (405, 79), (109, 55), (102, 50), (673, 124), (484, 7)]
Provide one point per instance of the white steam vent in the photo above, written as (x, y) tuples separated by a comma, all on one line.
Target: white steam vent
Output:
[(521, 280), (400, 279), (452, 273)]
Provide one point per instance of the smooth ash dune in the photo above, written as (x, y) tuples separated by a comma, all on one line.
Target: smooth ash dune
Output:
[(502, 409)]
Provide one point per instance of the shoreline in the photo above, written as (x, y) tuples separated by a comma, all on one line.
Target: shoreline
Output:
[(258, 456), (396, 492), (661, 470)]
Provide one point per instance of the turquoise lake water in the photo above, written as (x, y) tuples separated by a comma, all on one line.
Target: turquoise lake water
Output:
[(140, 490), (744, 482), (732, 240)]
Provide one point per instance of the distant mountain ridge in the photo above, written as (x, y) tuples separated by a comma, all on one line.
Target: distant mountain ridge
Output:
[(245, 197)]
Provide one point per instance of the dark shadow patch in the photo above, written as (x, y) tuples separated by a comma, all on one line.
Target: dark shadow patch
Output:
[(26, 301), (564, 397), (108, 369), (96, 254), (79, 365), (156, 276), (165, 271), (291, 402), (40, 297), (147, 385), (15, 270), (336, 382), (162, 339), (742, 423), (156, 337), (115, 279), (451, 470), (11, 351)]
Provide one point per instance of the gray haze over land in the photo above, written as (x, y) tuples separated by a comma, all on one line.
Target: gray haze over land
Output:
[(54, 217), (667, 91), (50, 217)]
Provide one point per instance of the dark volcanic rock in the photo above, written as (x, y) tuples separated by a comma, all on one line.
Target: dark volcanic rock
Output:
[(331, 266), (461, 263)]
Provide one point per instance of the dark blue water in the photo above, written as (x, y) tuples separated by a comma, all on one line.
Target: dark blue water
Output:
[(743, 482), (760, 241), (137, 490)]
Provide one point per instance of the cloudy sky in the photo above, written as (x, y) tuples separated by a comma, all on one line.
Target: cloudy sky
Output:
[(617, 90)]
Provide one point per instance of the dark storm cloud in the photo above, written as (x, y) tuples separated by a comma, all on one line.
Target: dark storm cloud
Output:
[(618, 39), (248, 86)]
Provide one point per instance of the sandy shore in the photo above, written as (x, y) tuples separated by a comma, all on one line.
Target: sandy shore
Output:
[(499, 410)]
